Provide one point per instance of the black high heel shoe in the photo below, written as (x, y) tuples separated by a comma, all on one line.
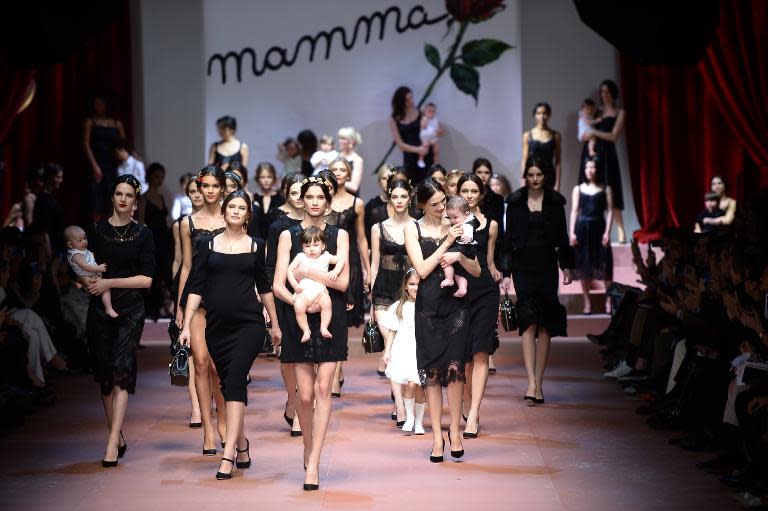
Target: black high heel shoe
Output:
[(122, 448), (289, 420), (108, 464), (195, 425), (437, 459), (529, 400), (223, 475), (311, 486), (244, 464), (208, 452), (455, 454)]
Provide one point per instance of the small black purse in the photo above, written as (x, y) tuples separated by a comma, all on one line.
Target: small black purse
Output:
[(373, 342), (268, 348), (508, 313), (178, 369)]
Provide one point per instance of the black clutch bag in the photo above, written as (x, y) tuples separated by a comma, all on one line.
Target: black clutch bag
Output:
[(373, 342), (173, 333), (508, 313), (178, 369), (268, 348)]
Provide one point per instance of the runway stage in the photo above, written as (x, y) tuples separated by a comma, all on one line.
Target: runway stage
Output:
[(584, 450)]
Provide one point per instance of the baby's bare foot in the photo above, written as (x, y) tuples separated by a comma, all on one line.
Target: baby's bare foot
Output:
[(446, 283), (305, 337), (325, 333), (460, 292), (111, 313)]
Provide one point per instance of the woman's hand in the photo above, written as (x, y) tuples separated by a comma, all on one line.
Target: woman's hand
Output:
[(495, 274), (455, 232), (97, 286), (422, 151), (506, 285), (185, 337), (277, 335), (567, 276), (449, 258), (606, 239), (573, 240), (97, 173), (386, 357)]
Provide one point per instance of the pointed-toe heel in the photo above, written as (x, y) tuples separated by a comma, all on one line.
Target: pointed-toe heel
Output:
[(244, 464), (122, 448), (437, 459), (455, 454)]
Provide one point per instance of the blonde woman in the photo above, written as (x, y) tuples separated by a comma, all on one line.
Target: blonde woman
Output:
[(349, 139)]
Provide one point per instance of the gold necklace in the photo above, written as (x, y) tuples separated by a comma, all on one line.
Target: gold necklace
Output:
[(121, 237), (231, 243)]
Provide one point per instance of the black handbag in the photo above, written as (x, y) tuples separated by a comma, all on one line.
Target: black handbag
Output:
[(373, 342), (178, 369), (268, 348), (508, 313)]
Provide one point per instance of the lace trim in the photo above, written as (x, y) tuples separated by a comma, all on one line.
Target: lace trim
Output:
[(387, 236), (108, 233), (453, 372)]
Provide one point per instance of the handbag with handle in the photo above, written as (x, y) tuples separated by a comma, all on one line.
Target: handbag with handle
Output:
[(373, 342), (268, 347), (508, 313), (178, 369)]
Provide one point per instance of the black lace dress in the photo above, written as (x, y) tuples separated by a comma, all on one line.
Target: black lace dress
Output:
[(393, 262), (318, 348), (608, 169), (127, 251), (198, 236), (483, 298), (355, 293), (593, 260), (234, 319), (535, 276), (442, 325)]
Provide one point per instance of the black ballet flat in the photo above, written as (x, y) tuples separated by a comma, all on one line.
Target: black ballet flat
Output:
[(195, 425), (244, 464), (108, 464), (455, 454), (437, 459), (223, 475), (122, 448)]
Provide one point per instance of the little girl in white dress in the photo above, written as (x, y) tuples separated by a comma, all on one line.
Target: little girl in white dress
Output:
[(400, 352)]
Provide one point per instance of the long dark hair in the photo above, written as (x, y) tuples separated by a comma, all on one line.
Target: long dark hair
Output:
[(398, 102), (475, 179), (426, 188), (238, 194), (213, 171), (482, 162), (290, 180), (613, 88)]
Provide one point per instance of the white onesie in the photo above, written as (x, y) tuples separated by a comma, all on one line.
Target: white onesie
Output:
[(310, 288), (428, 134), (89, 259)]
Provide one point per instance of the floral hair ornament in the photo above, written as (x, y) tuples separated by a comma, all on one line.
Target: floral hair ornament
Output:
[(314, 180)]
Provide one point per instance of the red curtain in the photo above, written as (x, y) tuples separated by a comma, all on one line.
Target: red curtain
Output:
[(687, 124), (51, 129)]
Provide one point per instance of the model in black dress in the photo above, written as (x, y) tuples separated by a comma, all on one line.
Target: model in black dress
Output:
[(203, 225), (442, 320), (100, 134), (544, 143), (405, 125), (127, 249), (315, 361), (229, 149), (590, 233), (483, 298), (537, 238)]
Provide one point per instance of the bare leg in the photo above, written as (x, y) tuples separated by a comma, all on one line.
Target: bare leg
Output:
[(195, 415), (338, 376), (305, 378), (529, 356), (288, 372), (435, 403), (221, 405), (436, 151), (618, 219), (477, 380), (326, 310), (461, 282), (300, 308), (235, 411), (455, 391), (106, 299), (467, 400), (397, 391), (202, 361), (448, 280), (322, 417), (119, 406), (586, 285), (542, 354)]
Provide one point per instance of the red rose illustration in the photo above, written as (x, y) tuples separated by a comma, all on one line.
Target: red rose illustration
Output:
[(473, 11)]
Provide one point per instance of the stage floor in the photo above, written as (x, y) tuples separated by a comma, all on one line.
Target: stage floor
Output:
[(584, 450)]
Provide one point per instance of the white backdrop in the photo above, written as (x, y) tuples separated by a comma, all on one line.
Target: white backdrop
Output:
[(354, 88)]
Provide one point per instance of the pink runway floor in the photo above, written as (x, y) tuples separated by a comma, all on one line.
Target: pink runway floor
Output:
[(584, 450)]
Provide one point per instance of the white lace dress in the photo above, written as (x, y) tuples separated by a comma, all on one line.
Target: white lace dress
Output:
[(402, 366)]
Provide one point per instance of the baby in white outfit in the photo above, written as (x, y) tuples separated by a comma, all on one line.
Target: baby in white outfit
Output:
[(83, 263), (308, 295), (430, 131)]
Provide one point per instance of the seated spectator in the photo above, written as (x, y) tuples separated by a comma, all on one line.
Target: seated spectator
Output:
[(705, 221)]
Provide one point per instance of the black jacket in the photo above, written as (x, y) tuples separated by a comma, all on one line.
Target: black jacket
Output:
[(516, 234)]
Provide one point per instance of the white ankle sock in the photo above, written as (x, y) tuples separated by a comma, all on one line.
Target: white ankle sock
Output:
[(409, 418)]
